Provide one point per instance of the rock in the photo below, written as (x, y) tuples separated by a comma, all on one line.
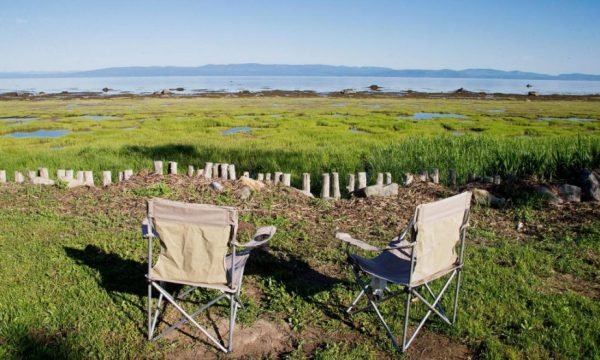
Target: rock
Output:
[(408, 179), (105, 89), (377, 191), (591, 186), (251, 183), (570, 193), (244, 192), (520, 226), (548, 194), (459, 91), (532, 93), (179, 89), (38, 180), (165, 92), (305, 193), (216, 186), (528, 85), (485, 198), (375, 87)]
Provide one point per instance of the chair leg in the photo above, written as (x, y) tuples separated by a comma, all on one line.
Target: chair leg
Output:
[(149, 311), (232, 315), (349, 310), (458, 280), (406, 318)]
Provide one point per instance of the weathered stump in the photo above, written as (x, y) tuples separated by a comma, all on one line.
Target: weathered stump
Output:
[(336, 185), (325, 186), (388, 178), (191, 170), (106, 178), (231, 169), (351, 183), (172, 168), (208, 170), (158, 167), (362, 180), (306, 182), (435, 176)]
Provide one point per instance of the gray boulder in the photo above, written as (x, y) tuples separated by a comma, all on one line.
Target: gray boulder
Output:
[(591, 186), (549, 195), (244, 192), (216, 186), (378, 191), (570, 193), (485, 198)]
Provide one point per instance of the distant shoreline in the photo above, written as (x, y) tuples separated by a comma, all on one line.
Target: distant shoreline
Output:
[(458, 94)]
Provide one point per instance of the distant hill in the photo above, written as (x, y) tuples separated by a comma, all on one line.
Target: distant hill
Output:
[(298, 70)]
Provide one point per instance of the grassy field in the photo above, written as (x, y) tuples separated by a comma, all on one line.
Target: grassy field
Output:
[(72, 261), (307, 135)]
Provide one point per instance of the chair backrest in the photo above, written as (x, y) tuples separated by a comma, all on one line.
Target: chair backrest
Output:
[(438, 228), (194, 240)]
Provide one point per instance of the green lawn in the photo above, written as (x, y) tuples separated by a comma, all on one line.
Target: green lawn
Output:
[(73, 262)]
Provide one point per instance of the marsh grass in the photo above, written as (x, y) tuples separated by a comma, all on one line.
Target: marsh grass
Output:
[(305, 137)]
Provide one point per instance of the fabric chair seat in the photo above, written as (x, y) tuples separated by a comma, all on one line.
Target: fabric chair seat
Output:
[(386, 266)]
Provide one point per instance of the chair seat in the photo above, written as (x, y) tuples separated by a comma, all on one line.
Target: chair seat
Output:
[(240, 263), (392, 266)]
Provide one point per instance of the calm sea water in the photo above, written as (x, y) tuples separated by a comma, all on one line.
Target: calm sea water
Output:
[(192, 84)]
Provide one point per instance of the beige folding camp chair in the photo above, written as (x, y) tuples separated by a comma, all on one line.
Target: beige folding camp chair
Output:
[(195, 240), (436, 230)]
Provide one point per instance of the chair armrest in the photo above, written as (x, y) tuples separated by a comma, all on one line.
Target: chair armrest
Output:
[(260, 238), (145, 229), (400, 245), (349, 240)]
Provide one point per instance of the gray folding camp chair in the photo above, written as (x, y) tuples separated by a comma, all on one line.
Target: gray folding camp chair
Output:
[(195, 240), (435, 230)]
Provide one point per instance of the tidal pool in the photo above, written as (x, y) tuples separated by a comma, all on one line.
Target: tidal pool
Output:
[(19, 118), (98, 117), (428, 115), (38, 134), (237, 130), (576, 119)]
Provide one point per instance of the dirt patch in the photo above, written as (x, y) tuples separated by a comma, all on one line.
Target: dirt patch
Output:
[(433, 346), (565, 282)]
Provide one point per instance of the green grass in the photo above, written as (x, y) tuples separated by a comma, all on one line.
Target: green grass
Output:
[(72, 279), (312, 135)]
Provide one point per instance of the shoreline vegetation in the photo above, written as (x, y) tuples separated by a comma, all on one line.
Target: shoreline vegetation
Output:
[(73, 262)]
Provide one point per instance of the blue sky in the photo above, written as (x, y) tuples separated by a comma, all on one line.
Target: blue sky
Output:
[(543, 36)]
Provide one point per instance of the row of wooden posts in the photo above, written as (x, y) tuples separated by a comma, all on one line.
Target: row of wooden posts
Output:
[(330, 182)]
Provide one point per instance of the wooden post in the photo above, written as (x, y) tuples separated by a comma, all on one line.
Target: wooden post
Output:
[(423, 176), (246, 174), (451, 177), (215, 170), (2, 176), (435, 176), (277, 178), (61, 174), (268, 178), (43, 173), (190, 170), (88, 178), (19, 178), (497, 179), (335, 186), (472, 177), (287, 180), (106, 178), (121, 176), (127, 174), (351, 183), (325, 186), (79, 176), (31, 174), (208, 169), (362, 180), (200, 173), (223, 171), (379, 178), (172, 168), (231, 169), (408, 179), (158, 167), (69, 175), (306, 182), (260, 177), (388, 178)]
